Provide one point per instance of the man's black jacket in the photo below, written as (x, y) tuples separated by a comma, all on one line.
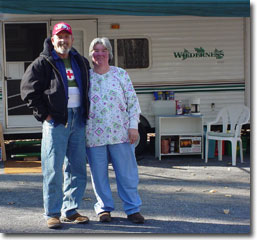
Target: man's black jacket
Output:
[(43, 90)]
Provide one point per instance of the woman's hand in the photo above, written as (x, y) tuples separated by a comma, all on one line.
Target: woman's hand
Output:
[(133, 135)]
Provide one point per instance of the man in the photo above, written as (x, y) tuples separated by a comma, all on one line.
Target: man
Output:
[(55, 86)]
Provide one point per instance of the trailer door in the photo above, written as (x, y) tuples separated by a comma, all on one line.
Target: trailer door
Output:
[(23, 43)]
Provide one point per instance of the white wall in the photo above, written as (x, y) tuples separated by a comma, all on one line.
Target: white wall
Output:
[(169, 35), (1, 76)]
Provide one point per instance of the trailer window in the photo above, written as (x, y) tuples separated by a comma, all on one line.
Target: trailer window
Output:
[(131, 53), (24, 41)]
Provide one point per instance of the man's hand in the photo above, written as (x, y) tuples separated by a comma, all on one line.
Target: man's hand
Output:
[(133, 135)]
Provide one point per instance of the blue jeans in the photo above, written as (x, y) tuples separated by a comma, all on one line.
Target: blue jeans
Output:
[(63, 159), (124, 163)]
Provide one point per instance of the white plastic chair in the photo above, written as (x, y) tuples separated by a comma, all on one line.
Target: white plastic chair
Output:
[(233, 116)]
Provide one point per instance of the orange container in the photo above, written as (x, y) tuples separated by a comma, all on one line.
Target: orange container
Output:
[(164, 146)]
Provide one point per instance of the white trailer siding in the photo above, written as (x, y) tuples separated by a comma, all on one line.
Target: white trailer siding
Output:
[(167, 36), (1, 76), (174, 34), (218, 98)]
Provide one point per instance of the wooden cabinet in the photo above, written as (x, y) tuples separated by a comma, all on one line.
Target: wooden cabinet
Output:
[(179, 135)]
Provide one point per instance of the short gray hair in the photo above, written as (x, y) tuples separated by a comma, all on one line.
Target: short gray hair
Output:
[(105, 42)]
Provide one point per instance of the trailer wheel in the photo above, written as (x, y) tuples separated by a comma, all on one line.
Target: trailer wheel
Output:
[(141, 143)]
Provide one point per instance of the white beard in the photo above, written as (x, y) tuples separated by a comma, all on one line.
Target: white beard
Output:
[(63, 49)]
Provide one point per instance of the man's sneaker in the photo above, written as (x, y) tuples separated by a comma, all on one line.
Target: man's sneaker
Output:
[(136, 218), (53, 223), (75, 218), (105, 217)]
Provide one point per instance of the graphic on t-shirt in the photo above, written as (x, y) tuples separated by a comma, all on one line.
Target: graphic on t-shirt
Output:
[(69, 73), (70, 77)]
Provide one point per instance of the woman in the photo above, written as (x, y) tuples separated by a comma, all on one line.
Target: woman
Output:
[(111, 131)]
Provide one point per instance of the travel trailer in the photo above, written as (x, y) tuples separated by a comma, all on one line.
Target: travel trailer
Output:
[(203, 54)]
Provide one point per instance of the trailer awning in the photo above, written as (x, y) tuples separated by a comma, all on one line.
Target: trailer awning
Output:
[(216, 8)]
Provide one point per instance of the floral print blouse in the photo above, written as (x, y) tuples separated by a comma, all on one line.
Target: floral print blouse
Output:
[(114, 108)]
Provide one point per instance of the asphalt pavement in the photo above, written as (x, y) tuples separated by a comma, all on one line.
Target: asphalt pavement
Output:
[(180, 195)]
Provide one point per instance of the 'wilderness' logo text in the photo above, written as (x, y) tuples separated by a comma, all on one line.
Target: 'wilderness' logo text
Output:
[(199, 53)]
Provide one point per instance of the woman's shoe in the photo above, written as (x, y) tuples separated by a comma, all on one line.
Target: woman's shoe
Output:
[(105, 217), (136, 218)]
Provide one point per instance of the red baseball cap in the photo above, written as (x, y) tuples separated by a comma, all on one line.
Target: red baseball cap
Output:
[(62, 26)]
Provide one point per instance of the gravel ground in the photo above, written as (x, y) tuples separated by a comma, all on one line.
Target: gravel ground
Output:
[(180, 195)]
